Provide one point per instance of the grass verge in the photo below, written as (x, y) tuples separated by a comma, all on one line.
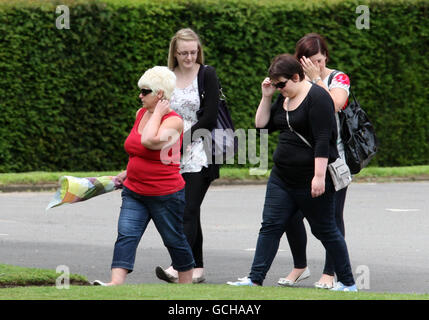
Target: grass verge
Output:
[(12, 276), (19, 283), (368, 174), (193, 292)]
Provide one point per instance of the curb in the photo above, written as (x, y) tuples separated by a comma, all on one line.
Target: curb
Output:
[(28, 187), (52, 187), (219, 182)]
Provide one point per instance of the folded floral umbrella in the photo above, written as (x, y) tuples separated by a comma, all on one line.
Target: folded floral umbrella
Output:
[(73, 189)]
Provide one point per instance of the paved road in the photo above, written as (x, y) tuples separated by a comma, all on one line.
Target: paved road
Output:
[(387, 232)]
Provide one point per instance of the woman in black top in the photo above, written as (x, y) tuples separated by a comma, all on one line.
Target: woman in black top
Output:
[(299, 179), (312, 52)]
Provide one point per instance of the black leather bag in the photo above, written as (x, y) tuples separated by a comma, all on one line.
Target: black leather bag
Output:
[(224, 142), (357, 134)]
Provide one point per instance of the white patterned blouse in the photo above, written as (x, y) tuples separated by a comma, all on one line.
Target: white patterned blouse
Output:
[(186, 102)]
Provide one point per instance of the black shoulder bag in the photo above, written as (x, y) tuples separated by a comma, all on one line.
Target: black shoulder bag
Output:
[(357, 134), (224, 142)]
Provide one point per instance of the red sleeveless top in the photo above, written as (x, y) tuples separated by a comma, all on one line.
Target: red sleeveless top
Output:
[(147, 174)]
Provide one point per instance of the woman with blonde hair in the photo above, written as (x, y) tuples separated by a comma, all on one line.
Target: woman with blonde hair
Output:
[(153, 188), (199, 109)]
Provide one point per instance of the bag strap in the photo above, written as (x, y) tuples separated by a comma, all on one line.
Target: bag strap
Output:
[(331, 76), (291, 129), (201, 90)]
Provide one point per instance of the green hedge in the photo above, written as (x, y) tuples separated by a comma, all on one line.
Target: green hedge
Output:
[(68, 97)]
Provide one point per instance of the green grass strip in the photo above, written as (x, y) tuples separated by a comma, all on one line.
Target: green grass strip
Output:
[(11, 276), (193, 292), (227, 173)]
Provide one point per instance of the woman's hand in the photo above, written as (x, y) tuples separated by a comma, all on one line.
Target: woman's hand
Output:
[(310, 69), (267, 89), (121, 177), (317, 186), (162, 107)]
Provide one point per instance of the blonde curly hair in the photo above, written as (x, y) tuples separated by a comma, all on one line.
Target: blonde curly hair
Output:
[(159, 78)]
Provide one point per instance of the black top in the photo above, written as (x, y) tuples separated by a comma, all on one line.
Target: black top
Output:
[(209, 104), (208, 112), (314, 119)]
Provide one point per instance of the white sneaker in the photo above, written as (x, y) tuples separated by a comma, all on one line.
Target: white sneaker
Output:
[(99, 283), (245, 282), (341, 287)]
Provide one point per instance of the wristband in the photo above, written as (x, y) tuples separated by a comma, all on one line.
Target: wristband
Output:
[(315, 80)]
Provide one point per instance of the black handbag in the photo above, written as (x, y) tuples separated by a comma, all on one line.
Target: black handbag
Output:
[(357, 134), (224, 142)]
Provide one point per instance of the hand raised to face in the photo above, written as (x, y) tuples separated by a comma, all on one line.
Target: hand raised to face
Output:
[(267, 89), (162, 107), (310, 69)]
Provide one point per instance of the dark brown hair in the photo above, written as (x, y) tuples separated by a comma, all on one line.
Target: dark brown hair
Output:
[(311, 44), (285, 65)]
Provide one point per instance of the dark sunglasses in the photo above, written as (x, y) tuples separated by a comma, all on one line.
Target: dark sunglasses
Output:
[(145, 91), (280, 85)]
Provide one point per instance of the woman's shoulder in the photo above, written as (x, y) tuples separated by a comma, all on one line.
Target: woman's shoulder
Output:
[(210, 77), (172, 113), (140, 112), (209, 68), (317, 93), (340, 77), (209, 71)]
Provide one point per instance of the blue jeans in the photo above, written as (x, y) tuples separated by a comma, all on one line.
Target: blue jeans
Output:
[(282, 203), (167, 214)]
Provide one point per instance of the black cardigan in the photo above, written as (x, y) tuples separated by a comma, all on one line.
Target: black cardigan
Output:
[(209, 108), (209, 99)]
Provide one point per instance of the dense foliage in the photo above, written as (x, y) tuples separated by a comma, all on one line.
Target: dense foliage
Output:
[(68, 96)]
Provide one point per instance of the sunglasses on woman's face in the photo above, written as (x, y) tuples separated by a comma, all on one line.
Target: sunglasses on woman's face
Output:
[(280, 85), (145, 91)]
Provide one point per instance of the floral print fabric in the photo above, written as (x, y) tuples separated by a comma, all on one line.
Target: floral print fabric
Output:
[(186, 102)]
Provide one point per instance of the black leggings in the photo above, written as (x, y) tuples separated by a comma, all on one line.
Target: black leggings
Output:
[(297, 236), (196, 187)]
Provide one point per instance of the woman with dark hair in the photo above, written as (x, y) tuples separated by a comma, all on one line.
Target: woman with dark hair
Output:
[(299, 179), (312, 52)]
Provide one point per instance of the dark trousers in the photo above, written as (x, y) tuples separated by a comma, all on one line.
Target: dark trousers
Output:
[(282, 203), (197, 184), (297, 236)]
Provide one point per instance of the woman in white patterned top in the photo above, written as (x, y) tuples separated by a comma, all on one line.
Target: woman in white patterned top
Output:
[(186, 60), (312, 52)]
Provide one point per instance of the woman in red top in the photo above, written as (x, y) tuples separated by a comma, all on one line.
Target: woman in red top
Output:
[(152, 185)]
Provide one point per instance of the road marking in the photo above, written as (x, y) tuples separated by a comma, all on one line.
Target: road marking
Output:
[(254, 249), (402, 210), (3, 234)]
